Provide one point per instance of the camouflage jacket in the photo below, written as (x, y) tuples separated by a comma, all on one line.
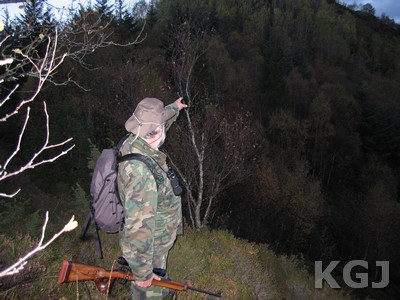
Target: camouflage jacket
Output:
[(153, 217)]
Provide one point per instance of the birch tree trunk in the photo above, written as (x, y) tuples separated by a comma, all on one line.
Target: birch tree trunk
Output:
[(215, 145)]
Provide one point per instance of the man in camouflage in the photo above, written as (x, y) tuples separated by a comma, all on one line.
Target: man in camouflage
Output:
[(153, 215)]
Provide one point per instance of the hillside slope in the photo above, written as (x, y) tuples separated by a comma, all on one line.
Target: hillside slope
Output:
[(211, 260)]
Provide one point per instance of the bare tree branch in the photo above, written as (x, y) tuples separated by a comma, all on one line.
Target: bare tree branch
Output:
[(10, 195), (20, 264), (33, 163), (76, 39), (42, 71)]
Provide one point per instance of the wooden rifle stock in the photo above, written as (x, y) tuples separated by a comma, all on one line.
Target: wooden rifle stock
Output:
[(74, 272)]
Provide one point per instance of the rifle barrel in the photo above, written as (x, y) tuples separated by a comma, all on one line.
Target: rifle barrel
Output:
[(204, 291)]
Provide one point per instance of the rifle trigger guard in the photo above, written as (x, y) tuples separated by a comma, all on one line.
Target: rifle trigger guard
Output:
[(123, 281)]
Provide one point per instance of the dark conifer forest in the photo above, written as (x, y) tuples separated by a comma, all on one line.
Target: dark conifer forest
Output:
[(291, 139)]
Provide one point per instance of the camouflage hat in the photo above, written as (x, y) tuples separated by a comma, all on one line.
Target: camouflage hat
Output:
[(148, 115)]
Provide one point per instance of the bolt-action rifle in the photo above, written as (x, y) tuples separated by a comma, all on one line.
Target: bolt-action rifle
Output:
[(73, 272)]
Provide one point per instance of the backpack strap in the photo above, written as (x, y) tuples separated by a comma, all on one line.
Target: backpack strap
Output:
[(117, 151), (120, 142), (146, 160), (143, 158)]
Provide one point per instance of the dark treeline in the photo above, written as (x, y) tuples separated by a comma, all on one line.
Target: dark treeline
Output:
[(317, 84)]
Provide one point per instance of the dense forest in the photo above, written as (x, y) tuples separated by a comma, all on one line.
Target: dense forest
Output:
[(291, 138)]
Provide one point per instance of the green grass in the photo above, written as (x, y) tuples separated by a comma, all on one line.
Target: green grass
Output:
[(210, 260)]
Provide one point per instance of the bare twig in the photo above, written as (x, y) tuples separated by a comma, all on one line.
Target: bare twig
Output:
[(32, 163), (20, 264)]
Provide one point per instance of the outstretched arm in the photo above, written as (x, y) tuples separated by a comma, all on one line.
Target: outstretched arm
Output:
[(177, 105)]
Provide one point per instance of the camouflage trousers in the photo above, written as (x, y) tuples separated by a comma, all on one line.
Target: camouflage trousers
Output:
[(152, 292)]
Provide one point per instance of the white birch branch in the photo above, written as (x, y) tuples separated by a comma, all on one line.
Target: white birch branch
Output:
[(33, 163), (20, 264)]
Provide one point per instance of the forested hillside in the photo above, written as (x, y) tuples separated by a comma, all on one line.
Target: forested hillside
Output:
[(291, 138)]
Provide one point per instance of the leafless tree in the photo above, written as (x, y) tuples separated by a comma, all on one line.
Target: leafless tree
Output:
[(214, 146), (42, 70), (83, 36)]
